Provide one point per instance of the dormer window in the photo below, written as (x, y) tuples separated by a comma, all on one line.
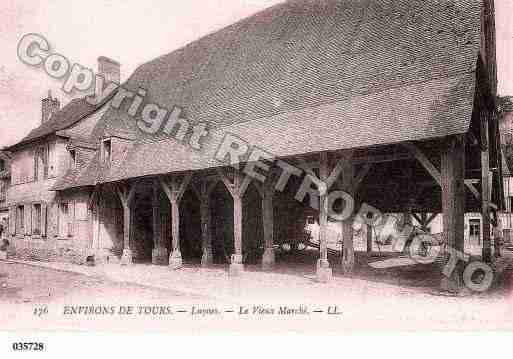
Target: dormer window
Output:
[(107, 151), (2, 165)]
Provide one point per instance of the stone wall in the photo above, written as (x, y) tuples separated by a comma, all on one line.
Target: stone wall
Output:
[(49, 243)]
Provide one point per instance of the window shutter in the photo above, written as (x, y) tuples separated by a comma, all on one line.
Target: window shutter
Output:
[(33, 153), (50, 159), (46, 151), (71, 218), (12, 220), (28, 219), (43, 219), (55, 219)]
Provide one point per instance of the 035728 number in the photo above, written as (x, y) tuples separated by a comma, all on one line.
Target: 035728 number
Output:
[(19, 346)]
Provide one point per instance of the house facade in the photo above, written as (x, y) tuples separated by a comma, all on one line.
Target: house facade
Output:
[(398, 98), (5, 180), (44, 224)]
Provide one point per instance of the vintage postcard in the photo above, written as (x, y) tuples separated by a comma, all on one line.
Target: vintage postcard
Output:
[(256, 166)]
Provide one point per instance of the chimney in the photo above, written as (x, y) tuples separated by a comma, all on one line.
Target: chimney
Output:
[(110, 69), (49, 106)]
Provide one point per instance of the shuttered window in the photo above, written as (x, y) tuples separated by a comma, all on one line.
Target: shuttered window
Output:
[(36, 219), (20, 219), (65, 220), (12, 220)]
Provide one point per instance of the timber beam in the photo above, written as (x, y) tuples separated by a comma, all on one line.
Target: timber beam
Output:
[(237, 187), (342, 174), (174, 188), (485, 187), (267, 191), (434, 172), (203, 191), (126, 194), (159, 254), (453, 205)]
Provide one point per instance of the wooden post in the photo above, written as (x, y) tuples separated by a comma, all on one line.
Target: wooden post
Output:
[(159, 253), (174, 191), (206, 241), (268, 258), (369, 238), (453, 204), (324, 271), (266, 192), (126, 195), (237, 189), (348, 258), (485, 189), (175, 260), (203, 194)]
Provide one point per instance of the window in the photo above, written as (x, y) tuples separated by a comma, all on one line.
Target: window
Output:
[(36, 219), (40, 163), (51, 160), (510, 200), (2, 165), (107, 149), (3, 190), (474, 227), (72, 159), (20, 219), (65, 221)]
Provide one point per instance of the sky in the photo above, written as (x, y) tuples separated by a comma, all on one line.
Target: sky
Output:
[(131, 32)]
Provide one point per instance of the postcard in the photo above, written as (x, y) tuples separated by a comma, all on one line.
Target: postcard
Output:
[(305, 166)]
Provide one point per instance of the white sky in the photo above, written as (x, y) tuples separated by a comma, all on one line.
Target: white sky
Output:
[(131, 32)]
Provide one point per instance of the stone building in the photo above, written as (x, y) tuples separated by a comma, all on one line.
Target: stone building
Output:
[(43, 224), (398, 98), (5, 179)]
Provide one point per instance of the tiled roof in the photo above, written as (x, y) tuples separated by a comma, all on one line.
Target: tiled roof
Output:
[(70, 114), (308, 76), (74, 111)]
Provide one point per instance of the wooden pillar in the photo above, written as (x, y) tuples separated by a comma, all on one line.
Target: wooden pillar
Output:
[(368, 233), (236, 260), (174, 191), (485, 189), (159, 252), (176, 256), (453, 204), (126, 258), (423, 221), (237, 188), (348, 258), (126, 195), (324, 271), (206, 240), (268, 258), (203, 195)]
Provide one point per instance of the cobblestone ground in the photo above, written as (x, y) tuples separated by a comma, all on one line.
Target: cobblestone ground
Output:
[(399, 298)]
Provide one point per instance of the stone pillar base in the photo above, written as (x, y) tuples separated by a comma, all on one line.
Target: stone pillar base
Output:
[(236, 266), (175, 260), (126, 258), (3, 254), (324, 271), (159, 256), (207, 258), (268, 259)]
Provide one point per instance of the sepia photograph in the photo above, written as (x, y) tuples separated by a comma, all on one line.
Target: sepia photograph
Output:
[(255, 166)]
